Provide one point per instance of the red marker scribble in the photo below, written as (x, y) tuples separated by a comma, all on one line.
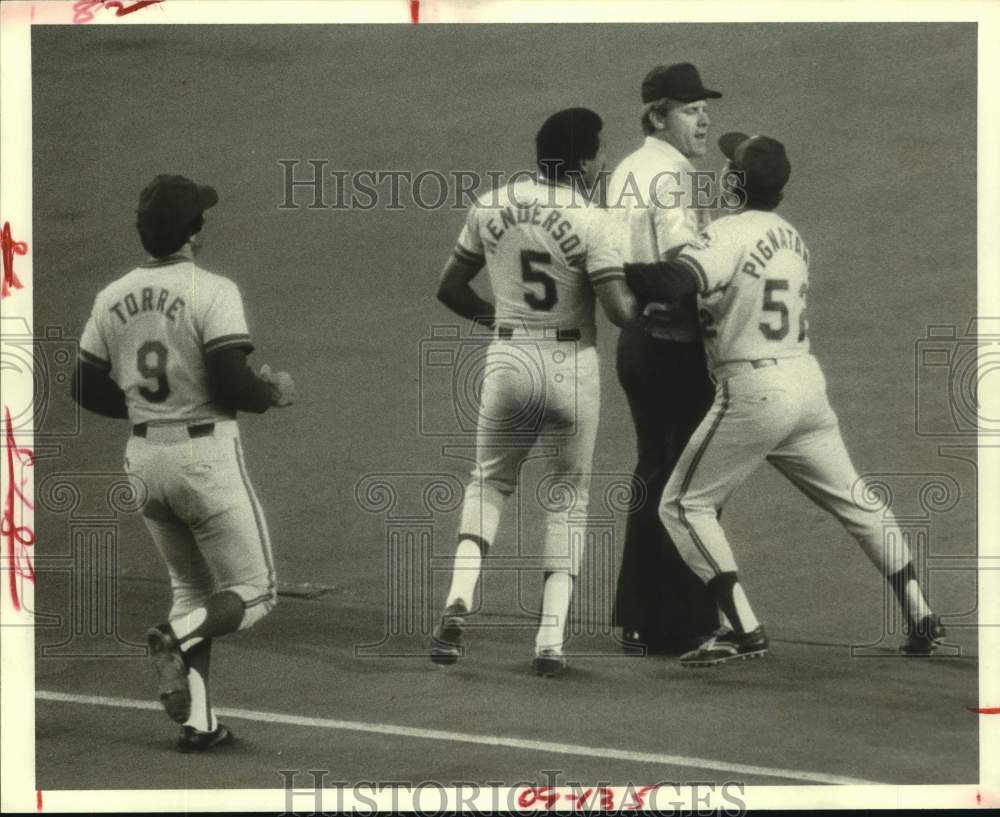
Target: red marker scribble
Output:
[(537, 794), (579, 799), (83, 10), (10, 248), (38, 799), (989, 710), (603, 798), (19, 538), (979, 798), (639, 801), (123, 10), (414, 11)]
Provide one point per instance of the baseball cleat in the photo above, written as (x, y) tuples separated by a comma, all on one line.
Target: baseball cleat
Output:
[(924, 637), (549, 662), (446, 644), (194, 740), (726, 645), (175, 695)]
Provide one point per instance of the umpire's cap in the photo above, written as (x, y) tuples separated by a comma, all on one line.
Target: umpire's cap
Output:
[(679, 81), (170, 203), (761, 158)]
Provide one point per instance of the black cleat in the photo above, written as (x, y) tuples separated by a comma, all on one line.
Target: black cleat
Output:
[(165, 652), (726, 645), (632, 638), (194, 740), (549, 663), (446, 643), (924, 637)]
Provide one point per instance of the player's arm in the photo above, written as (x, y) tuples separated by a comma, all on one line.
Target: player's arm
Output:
[(617, 301), (93, 388), (661, 280), (455, 290), (604, 269), (706, 264), (467, 261), (233, 384), (91, 385)]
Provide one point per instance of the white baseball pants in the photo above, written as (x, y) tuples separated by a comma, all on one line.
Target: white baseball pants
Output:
[(535, 391), (204, 517), (779, 413)]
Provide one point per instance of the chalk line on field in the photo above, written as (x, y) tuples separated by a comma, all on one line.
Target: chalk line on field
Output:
[(598, 752)]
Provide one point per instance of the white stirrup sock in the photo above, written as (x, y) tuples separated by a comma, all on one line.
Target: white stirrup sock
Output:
[(556, 596), (464, 577)]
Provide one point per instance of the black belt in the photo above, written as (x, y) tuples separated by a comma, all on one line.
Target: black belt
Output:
[(506, 333), (199, 430)]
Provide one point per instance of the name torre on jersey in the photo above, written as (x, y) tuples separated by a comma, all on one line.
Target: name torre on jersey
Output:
[(148, 299), (558, 226), (779, 238)]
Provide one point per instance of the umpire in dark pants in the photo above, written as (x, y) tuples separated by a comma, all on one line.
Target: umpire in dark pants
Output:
[(660, 604)]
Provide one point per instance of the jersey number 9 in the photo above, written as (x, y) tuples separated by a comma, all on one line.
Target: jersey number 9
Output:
[(152, 363)]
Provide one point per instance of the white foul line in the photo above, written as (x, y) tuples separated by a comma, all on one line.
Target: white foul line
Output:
[(601, 753)]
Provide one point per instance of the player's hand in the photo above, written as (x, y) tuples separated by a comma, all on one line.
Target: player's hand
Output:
[(659, 314), (283, 390)]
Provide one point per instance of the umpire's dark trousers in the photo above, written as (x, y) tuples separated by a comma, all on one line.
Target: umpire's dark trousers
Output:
[(669, 392)]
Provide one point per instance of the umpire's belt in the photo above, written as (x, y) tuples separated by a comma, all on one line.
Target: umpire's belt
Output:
[(737, 367), (507, 333), (193, 431)]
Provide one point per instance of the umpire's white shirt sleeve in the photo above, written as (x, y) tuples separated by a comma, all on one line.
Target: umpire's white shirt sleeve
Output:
[(650, 197)]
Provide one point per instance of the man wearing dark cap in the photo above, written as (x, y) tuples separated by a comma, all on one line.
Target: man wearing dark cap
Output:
[(660, 604), (546, 269), (750, 271), (166, 348)]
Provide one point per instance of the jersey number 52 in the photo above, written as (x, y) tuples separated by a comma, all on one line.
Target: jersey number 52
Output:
[(776, 328)]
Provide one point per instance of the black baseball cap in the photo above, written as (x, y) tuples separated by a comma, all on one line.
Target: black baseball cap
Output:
[(172, 202), (761, 158), (679, 81)]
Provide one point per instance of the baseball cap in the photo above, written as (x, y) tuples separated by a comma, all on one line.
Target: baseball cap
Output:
[(761, 158), (171, 202), (679, 81)]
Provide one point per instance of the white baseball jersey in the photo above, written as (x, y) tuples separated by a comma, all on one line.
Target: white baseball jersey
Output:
[(753, 273), (545, 247), (151, 330), (753, 277)]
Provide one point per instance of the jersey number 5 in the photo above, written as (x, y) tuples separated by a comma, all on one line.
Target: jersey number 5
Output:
[(780, 308), (530, 274), (152, 363)]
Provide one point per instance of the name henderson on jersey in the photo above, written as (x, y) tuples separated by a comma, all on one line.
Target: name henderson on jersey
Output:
[(555, 223), (133, 308), (770, 244)]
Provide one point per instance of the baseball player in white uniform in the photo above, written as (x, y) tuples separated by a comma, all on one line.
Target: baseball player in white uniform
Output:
[(166, 347), (751, 273), (548, 251)]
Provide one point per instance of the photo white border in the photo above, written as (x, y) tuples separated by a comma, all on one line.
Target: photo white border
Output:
[(17, 778)]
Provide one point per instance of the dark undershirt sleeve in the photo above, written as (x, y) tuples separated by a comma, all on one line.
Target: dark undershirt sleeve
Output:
[(660, 281), (94, 389), (233, 383)]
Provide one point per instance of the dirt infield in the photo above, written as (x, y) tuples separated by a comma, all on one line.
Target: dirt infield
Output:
[(880, 124)]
